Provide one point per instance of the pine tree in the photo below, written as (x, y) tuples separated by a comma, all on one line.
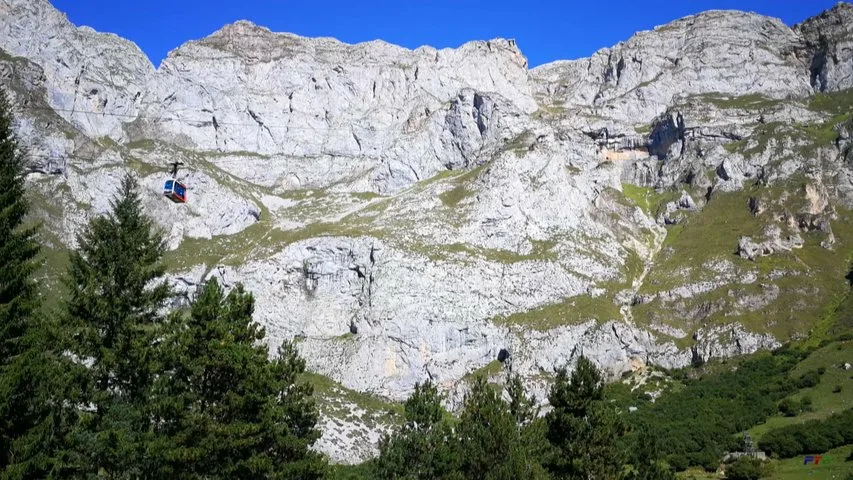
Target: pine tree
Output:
[(423, 408), (522, 406), (33, 419), (645, 456), (582, 429), (18, 251), (490, 441), (225, 409), (112, 323), (530, 425), (423, 448), (18, 245)]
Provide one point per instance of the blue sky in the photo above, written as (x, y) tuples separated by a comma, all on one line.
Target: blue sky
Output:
[(546, 30)]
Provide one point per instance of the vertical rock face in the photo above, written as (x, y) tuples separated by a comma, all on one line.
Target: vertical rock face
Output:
[(828, 48), (637, 79), (413, 214), (245, 88), (84, 70)]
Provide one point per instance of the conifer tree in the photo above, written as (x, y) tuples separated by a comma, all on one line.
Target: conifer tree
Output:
[(226, 411), (18, 245), (32, 423), (423, 448), (522, 406), (530, 425), (582, 429), (490, 441), (112, 321), (18, 250), (645, 456)]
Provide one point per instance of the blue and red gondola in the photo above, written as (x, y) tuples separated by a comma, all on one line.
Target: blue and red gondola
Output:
[(173, 189)]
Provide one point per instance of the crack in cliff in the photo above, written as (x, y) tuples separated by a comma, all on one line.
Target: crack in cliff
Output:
[(215, 131), (402, 341), (77, 89), (261, 124), (355, 137), (625, 345)]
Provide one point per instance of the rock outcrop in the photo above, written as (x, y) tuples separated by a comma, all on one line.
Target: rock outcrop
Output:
[(828, 42), (638, 79)]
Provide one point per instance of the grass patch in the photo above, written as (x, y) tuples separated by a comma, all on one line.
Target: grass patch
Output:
[(239, 153), (811, 291), (489, 370), (711, 233), (760, 139), (454, 196), (648, 198), (520, 144), (462, 189), (53, 264), (735, 146), (549, 111), (823, 134), (142, 144), (840, 318), (376, 207), (832, 465), (542, 250), (442, 175), (753, 101), (643, 130), (5, 56), (144, 169), (834, 103), (570, 311), (303, 194), (335, 400), (365, 195), (580, 308), (108, 143)]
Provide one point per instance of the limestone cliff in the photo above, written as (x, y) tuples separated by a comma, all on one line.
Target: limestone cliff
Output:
[(413, 214)]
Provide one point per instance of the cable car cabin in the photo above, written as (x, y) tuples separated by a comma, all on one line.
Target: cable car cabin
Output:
[(175, 190)]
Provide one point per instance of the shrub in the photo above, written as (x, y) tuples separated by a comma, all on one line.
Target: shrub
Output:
[(789, 407), (678, 462), (809, 379), (810, 437), (697, 423), (746, 468)]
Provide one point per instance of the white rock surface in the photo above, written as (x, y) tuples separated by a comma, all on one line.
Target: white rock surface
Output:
[(725, 52), (393, 208)]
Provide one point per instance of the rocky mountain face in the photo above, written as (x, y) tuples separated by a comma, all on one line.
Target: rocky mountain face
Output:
[(414, 214)]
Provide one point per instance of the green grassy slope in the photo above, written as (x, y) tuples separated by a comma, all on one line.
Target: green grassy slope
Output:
[(833, 393)]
